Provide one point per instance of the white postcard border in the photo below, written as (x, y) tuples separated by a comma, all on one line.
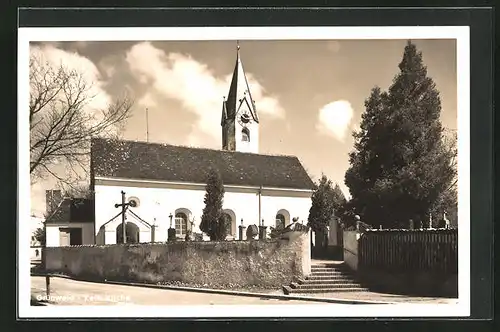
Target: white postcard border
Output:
[(460, 33)]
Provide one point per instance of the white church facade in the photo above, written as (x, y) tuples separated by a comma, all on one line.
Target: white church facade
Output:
[(167, 182)]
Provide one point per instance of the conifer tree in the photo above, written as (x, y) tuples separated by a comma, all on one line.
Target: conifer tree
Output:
[(323, 205), (213, 222), (338, 197), (400, 165)]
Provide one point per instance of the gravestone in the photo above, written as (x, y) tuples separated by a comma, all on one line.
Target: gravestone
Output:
[(252, 232), (171, 235)]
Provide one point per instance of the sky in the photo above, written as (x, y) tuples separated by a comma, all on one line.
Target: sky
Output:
[(309, 94)]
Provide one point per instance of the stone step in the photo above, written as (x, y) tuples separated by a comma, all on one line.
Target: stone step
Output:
[(322, 273), (327, 263), (325, 281), (289, 290), (338, 266), (327, 269), (331, 277), (328, 276), (329, 266), (324, 286)]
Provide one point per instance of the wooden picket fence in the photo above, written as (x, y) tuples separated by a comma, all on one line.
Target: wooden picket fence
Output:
[(433, 250)]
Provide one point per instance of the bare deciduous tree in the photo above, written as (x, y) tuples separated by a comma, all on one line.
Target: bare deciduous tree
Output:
[(76, 190), (62, 119)]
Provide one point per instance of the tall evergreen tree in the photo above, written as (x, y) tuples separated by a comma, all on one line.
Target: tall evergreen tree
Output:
[(338, 197), (323, 205), (400, 165), (213, 222)]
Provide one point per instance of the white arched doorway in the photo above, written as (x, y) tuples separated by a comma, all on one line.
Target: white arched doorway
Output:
[(131, 233), (231, 222)]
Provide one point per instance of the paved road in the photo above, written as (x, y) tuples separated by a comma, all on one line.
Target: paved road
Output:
[(72, 292), (383, 297)]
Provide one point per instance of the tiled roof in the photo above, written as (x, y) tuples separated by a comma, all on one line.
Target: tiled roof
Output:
[(154, 161)]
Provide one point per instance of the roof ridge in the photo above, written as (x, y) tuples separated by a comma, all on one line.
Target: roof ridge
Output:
[(192, 147)]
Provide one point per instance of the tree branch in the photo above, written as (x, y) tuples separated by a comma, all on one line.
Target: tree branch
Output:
[(62, 121)]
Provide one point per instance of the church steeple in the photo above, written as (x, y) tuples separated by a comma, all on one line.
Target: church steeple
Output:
[(240, 122)]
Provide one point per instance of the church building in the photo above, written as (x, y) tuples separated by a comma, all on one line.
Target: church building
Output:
[(166, 183)]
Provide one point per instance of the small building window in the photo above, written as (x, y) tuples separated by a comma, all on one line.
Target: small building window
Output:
[(134, 201), (245, 135)]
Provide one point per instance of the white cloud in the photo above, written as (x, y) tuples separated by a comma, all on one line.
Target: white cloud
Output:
[(55, 57), (266, 104), (195, 86), (334, 119), (108, 66), (147, 100)]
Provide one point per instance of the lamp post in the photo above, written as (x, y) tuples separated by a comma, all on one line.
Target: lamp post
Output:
[(242, 229), (262, 231), (170, 216)]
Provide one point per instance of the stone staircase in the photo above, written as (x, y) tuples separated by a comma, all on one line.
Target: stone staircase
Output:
[(325, 278)]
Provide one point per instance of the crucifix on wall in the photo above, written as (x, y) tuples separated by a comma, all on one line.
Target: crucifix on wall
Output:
[(124, 205)]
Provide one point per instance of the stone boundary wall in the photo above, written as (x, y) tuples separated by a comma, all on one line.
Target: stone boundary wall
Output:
[(269, 263)]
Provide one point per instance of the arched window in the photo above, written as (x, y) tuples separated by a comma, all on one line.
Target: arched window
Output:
[(282, 218), (180, 224), (245, 135), (280, 221), (131, 233), (230, 222)]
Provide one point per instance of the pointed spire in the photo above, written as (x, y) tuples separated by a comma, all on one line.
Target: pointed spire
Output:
[(238, 59), (239, 90)]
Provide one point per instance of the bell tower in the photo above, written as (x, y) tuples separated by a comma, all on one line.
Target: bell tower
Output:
[(240, 123)]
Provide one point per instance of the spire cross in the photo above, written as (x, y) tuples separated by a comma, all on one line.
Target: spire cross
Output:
[(238, 45)]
